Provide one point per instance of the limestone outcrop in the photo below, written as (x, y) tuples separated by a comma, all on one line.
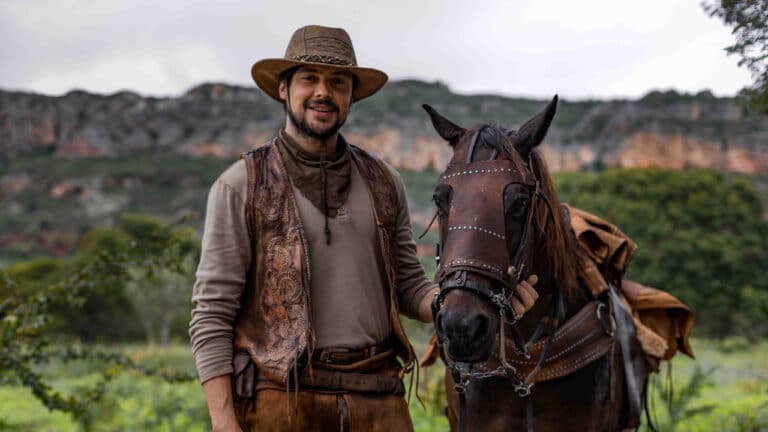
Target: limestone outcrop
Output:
[(667, 130)]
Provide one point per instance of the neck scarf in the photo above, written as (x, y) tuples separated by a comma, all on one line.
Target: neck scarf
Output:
[(323, 179)]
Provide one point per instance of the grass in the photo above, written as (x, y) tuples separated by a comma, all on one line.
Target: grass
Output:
[(729, 393), (733, 394)]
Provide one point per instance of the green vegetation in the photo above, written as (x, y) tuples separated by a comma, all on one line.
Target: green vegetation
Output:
[(150, 300), (728, 393), (400, 103), (701, 236), (660, 99), (419, 186), (749, 20), (724, 389), (92, 191), (131, 401), (141, 252)]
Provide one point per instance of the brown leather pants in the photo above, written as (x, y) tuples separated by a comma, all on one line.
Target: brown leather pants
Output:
[(310, 410)]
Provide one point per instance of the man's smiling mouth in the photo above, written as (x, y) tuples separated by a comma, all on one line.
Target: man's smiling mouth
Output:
[(323, 109), (322, 106)]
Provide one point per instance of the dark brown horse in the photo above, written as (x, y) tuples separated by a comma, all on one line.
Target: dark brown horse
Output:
[(559, 368)]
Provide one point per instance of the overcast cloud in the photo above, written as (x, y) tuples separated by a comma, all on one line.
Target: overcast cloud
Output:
[(579, 49)]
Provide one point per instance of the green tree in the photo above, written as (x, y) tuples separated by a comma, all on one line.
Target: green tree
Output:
[(159, 296), (749, 20), (149, 301), (701, 236), (27, 312)]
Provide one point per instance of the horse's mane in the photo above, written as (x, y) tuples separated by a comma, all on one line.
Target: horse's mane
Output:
[(558, 246), (561, 249)]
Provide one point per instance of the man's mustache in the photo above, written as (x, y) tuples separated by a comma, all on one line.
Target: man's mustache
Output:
[(321, 103)]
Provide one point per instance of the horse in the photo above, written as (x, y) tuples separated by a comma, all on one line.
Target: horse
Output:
[(571, 362)]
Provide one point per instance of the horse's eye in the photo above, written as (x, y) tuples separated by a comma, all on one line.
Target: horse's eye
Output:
[(515, 202), (519, 208)]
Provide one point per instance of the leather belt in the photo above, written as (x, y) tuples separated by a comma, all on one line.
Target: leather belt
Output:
[(333, 355), (374, 374), (351, 381)]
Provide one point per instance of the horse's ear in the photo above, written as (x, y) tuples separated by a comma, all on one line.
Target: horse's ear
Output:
[(533, 131), (444, 127)]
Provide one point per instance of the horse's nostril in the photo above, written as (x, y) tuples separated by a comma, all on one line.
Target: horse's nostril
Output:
[(478, 327), (439, 322)]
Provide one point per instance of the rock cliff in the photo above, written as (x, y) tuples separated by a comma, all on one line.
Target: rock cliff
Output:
[(70, 162), (668, 129)]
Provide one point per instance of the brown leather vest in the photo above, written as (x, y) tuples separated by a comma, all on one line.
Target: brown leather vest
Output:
[(274, 324)]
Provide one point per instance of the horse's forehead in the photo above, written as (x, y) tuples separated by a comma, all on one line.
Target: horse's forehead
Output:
[(503, 170), (461, 151)]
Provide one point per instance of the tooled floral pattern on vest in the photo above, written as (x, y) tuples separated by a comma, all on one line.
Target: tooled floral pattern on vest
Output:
[(273, 323), (284, 305)]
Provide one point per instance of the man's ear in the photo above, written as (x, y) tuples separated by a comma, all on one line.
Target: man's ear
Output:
[(282, 90)]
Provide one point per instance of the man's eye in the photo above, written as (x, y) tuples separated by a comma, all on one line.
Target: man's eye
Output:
[(341, 84)]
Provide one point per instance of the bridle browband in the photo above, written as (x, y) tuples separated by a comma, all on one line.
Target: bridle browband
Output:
[(453, 276)]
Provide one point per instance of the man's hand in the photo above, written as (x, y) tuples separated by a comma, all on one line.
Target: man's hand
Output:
[(523, 299), (525, 296), (218, 393)]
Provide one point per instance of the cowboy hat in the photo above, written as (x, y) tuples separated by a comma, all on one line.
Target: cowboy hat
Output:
[(318, 46)]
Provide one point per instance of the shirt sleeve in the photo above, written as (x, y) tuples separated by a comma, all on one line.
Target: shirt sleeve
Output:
[(412, 283), (221, 275)]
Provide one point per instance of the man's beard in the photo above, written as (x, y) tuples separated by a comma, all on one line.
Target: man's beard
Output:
[(305, 129)]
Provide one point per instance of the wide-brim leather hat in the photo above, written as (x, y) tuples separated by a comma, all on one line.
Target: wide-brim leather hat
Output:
[(318, 46)]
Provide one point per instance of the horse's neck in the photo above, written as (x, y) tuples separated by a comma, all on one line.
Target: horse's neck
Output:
[(540, 309), (548, 295)]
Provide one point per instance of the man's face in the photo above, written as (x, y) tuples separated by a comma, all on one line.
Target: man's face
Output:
[(318, 100)]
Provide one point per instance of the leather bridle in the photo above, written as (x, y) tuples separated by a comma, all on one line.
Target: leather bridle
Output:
[(452, 276)]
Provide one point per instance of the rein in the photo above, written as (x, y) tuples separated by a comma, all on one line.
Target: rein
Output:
[(455, 278)]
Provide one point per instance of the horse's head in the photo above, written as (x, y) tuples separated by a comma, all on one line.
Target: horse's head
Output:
[(492, 207)]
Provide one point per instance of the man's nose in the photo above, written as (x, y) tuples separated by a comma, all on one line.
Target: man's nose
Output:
[(322, 89)]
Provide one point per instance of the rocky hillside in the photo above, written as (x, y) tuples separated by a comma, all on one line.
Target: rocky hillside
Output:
[(68, 163), (216, 120)]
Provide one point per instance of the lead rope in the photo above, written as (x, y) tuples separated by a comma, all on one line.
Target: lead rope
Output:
[(529, 413), (460, 387), (429, 226)]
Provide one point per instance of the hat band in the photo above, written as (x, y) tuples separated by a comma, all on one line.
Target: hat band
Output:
[(322, 59)]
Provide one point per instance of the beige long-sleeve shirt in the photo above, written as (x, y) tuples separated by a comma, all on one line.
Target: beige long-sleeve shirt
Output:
[(349, 299)]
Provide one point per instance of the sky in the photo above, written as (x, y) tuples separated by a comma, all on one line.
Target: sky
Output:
[(579, 49)]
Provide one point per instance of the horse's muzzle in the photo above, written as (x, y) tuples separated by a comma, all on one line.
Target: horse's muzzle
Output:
[(466, 325)]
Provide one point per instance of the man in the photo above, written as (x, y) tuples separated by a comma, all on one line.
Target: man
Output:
[(308, 259)]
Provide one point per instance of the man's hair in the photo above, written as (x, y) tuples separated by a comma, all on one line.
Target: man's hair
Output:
[(287, 76)]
